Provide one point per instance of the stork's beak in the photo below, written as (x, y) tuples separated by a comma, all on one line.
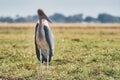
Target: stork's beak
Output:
[(41, 14)]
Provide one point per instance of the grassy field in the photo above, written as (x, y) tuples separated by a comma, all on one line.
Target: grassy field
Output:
[(82, 52)]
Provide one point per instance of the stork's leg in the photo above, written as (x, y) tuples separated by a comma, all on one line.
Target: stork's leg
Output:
[(40, 63), (47, 62)]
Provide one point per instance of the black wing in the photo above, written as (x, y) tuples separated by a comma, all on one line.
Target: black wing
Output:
[(36, 48), (50, 41)]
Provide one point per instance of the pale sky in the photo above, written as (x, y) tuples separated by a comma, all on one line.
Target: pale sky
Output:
[(67, 7)]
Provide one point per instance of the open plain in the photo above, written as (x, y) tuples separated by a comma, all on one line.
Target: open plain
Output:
[(82, 52)]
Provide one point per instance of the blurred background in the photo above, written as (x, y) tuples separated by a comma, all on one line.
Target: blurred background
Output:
[(63, 11), (87, 39)]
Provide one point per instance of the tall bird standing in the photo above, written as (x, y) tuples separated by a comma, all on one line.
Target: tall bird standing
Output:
[(44, 40)]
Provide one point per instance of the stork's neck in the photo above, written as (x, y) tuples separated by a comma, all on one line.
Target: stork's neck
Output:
[(40, 22), (43, 22)]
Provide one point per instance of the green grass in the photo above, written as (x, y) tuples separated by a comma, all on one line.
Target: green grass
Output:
[(80, 54)]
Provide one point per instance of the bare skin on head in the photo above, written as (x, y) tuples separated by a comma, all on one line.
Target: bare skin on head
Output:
[(42, 15)]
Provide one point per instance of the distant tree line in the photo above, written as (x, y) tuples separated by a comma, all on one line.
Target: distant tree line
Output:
[(102, 18), (60, 18)]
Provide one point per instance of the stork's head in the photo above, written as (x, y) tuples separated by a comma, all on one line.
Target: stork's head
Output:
[(42, 15)]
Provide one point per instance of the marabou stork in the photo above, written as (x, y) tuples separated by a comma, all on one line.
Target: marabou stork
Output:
[(44, 39)]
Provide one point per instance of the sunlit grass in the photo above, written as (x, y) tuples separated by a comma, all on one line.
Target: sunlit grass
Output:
[(81, 53)]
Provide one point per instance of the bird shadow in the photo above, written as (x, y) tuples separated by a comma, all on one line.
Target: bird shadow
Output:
[(60, 61)]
